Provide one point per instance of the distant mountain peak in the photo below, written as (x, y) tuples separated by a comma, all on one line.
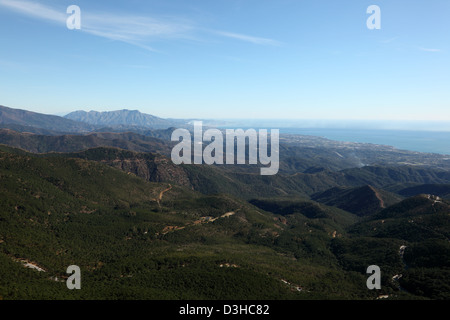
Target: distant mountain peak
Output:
[(123, 117)]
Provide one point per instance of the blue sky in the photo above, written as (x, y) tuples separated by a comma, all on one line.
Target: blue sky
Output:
[(260, 59)]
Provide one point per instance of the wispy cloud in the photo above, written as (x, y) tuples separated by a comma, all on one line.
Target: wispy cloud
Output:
[(251, 39), (133, 29), (35, 9), (429, 49)]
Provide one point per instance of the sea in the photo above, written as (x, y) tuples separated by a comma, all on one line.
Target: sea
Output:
[(420, 136), (421, 141)]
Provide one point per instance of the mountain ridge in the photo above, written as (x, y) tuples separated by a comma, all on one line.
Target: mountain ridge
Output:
[(19, 118), (124, 117), (362, 201), (81, 122)]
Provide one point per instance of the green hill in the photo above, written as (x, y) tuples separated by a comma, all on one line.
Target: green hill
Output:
[(410, 239), (441, 190), (72, 143), (239, 181), (362, 201), (134, 239), (137, 232)]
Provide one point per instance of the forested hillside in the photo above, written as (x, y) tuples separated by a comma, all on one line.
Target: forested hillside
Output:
[(138, 239)]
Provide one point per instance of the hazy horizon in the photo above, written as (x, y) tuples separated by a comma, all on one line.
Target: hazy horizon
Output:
[(324, 123), (404, 125)]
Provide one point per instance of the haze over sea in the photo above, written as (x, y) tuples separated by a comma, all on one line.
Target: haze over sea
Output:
[(421, 136)]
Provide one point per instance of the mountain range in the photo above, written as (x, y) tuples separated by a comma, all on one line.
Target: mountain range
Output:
[(89, 192), (122, 118), (81, 122)]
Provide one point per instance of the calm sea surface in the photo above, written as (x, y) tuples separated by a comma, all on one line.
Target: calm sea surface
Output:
[(422, 141)]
